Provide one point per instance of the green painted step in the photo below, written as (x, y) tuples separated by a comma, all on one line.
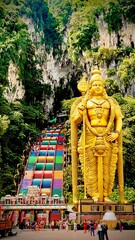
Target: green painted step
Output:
[(57, 191), (32, 159), (59, 159), (40, 166), (23, 191), (53, 142), (49, 166), (62, 134)]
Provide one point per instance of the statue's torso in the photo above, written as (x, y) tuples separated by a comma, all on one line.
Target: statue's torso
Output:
[(98, 112)]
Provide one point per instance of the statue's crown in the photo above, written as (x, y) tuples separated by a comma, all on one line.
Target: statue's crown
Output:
[(95, 71), (96, 76)]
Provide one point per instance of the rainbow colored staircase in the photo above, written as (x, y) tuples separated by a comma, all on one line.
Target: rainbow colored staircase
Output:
[(44, 168)]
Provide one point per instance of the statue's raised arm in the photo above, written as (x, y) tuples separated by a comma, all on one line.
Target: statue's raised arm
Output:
[(100, 145)]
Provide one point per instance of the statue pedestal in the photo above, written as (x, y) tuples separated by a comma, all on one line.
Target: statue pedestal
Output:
[(88, 210)]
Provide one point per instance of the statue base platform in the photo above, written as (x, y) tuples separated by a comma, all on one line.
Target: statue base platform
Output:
[(88, 210)]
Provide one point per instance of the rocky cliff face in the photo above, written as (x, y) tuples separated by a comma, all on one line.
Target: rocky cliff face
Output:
[(54, 69), (125, 36), (15, 90)]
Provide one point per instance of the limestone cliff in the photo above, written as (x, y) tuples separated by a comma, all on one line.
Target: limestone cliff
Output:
[(57, 68)]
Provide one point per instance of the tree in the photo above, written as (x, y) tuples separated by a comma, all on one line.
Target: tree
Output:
[(113, 17), (128, 8), (128, 110), (126, 72), (111, 86), (81, 31), (105, 54), (129, 194), (4, 123)]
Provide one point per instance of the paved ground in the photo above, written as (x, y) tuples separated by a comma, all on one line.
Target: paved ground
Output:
[(70, 235)]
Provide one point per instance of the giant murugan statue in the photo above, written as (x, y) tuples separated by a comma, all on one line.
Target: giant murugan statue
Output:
[(100, 145)]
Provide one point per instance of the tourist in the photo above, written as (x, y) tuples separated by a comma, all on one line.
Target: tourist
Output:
[(95, 225), (27, 224), (99, 231), (58, 224), (42, 224), (91, 226), (75, 226), (22, 224), (37, 226), (85, 224), (67, 226), (104, 229), (52, 225), (120, 226)]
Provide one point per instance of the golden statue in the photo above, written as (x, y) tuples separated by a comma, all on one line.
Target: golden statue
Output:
[(100, 145)]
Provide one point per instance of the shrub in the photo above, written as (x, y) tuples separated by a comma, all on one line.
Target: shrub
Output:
[(111, 72)]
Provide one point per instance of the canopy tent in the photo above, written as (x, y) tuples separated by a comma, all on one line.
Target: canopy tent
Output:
[(54, 120)]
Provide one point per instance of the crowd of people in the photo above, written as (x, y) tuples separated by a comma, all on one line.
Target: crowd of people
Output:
[(100, 228), (92, 227)]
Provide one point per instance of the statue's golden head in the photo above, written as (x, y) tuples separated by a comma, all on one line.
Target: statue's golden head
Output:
[(96, 76)]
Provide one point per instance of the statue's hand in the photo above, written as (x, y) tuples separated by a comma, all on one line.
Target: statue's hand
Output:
[(82, 109), (112, 137)]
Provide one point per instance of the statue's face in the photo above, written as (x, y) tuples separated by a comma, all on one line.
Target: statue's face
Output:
[(97, 88)]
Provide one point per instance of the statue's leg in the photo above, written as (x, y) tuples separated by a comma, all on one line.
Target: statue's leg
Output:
[(91, 175), (106, 174), (109, 169), (113, 163)]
